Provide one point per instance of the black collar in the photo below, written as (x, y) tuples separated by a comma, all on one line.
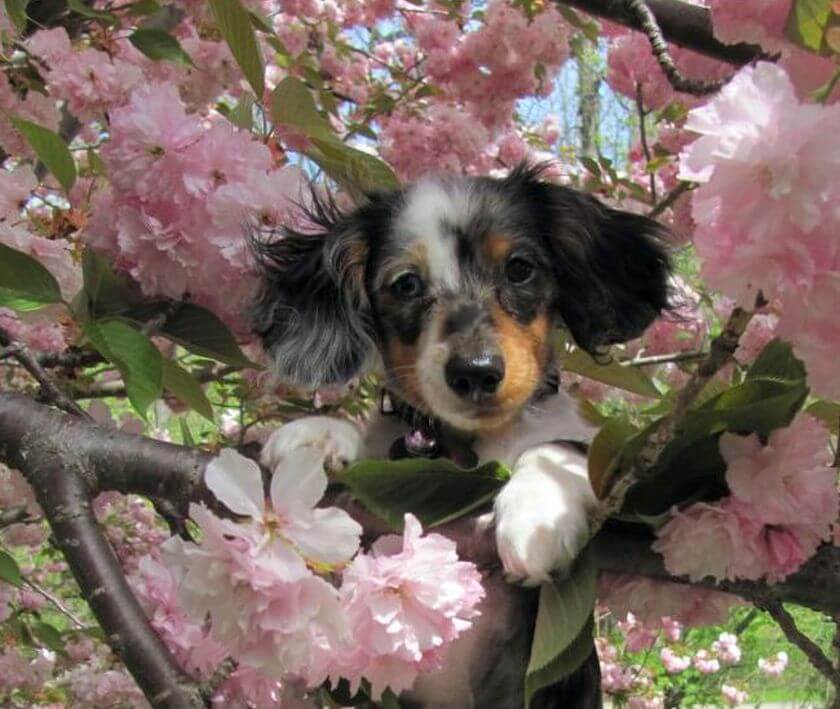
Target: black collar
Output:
[(429, 437)]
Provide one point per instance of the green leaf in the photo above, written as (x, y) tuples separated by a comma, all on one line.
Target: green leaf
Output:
[(16, 10), (144, 7), (563, 630), (9, 570), (25, 284), (138, 360), (85, 10), (292, 105), (807, 23), (436, 491), (591, 165), (50, 149), (201, 332), (353, 167), (49, 636), (605, 453), (821, 94), (157, 44), (186, 435), (107, 292), (184, 386), (236, 26), (690, 466), (242, 114), (389, 700), (617, 375), (828, 412), (777, 362)]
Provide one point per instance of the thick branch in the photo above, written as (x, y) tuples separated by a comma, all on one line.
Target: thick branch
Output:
[(110, 459), (57, 456), (814, 585), (114, 460), (682, 23)]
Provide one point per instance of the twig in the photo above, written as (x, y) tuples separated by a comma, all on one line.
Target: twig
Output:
[(116, 388), (722, 349), (209, 688), (684, 356), (70, 360), (640, 108), (795, 636), (50, 391), (10, 351), (650, 27), (670, 198), (56, 601)]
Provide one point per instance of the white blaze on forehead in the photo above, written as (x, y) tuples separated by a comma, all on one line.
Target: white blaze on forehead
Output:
[(432, 210)]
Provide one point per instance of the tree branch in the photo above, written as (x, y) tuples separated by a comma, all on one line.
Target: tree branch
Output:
[(721, 351), (114, 460), (28, 361), (683, 23), (649, 25), (795, 636), (65, 460)]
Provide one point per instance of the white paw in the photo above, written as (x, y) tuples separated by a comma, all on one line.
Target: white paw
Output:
[(339, 441), (541, 519)]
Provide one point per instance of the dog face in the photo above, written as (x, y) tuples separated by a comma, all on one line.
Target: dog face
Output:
[(457, 284)]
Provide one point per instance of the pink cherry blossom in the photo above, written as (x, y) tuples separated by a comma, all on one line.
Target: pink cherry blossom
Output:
[(705, 663), (636, 634), (406, 602), (15, 189), (266, 607), (718, 540), (726, 648), (752, 21), (732, 695), (763, 161), (674, 663), (787, 481), (774, 666), (157, 589)]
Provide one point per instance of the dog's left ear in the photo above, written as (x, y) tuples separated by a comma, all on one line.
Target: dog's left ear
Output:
[(612, 266), (313, 312)]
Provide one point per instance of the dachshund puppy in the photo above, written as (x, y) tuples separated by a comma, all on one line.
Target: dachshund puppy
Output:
[(452, 288)]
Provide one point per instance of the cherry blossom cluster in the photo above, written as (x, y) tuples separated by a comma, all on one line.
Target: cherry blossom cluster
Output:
[(783, 502), (266, 584), (766, 208)]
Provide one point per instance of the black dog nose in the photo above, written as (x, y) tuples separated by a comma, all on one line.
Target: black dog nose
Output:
[(475, 377)]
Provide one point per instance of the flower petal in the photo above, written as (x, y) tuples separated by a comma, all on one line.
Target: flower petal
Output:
[(298, 483), (329, 536), (236, 481)]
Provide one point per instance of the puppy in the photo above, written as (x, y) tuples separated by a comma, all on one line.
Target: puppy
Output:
[(452, 288)]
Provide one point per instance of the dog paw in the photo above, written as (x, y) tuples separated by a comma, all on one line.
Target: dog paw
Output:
[(541, 525), (339, 442)]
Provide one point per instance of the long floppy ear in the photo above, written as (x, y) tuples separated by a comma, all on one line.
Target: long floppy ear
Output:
[(313, 312), (612, 266)]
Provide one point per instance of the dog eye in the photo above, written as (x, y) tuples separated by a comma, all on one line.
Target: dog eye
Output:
[(407, 286), (518, 270)]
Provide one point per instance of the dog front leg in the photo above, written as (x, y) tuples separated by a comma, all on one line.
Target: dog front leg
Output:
[(541, 515)]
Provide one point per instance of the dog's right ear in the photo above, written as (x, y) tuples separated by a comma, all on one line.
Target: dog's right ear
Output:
[(313, 312)]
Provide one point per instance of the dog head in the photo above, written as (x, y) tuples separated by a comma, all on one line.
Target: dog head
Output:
[(455, 284)]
